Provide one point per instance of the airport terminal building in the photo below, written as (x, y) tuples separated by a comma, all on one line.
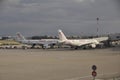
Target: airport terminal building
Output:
[(114, 39)]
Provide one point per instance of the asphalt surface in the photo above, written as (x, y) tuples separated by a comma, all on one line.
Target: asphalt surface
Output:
[(58, 64)]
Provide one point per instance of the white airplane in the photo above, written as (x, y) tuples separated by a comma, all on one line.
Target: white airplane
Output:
[(76, 43), (45, 43)]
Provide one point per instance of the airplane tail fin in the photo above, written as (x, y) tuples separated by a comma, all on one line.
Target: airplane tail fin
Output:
[(61, 35), (20, 36)]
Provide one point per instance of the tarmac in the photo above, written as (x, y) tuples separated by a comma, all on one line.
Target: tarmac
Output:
[(58, 64)]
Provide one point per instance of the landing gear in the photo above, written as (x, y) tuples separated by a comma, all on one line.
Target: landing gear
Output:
[(33, 46), (24, 47), (76, 48)]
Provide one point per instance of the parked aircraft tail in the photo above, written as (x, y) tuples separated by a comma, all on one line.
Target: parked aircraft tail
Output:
[(20, 36), (61, 35)]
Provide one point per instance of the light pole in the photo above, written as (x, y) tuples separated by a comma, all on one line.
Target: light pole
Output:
[(97, 26)]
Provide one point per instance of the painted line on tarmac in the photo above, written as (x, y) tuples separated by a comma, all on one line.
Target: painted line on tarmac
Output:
[(90, 76), (77, 78)]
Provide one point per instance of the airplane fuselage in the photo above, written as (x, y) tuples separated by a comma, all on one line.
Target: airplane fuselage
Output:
[(80, 42)]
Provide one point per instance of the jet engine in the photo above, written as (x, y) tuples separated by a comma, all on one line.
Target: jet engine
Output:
[(93, 45)]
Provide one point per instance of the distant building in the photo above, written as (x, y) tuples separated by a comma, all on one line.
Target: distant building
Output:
[(7, 37), (114, 37)]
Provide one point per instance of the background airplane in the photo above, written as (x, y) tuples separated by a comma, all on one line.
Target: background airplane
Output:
[(76, 43), (45, 43)]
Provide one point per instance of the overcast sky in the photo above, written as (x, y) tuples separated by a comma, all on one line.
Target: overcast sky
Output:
[(45, 17)]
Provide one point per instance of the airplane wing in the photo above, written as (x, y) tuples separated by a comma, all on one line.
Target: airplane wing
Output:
[(100, 39)]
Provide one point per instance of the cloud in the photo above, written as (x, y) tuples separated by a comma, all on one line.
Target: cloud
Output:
[(81, 1), (13, 1), (117, 4), (1, 1), (42, 16), (1, 4)]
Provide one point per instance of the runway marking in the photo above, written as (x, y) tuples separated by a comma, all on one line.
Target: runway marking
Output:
[(90, 76)]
